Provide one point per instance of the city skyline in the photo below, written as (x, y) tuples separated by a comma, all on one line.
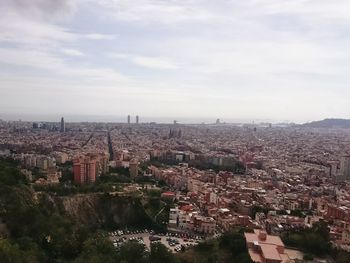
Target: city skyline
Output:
[(185, 60), (145, 119)]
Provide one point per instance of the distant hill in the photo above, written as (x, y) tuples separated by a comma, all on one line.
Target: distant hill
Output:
[(329, 123)]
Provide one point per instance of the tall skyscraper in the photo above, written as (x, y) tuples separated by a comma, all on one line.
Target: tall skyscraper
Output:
[(345, 167), (333, 166), (137, 119), (128, 119), (63, 126)]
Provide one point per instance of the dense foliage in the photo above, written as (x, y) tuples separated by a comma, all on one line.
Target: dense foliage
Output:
[(32, 233), (231, 247), (314, 240), (99, 250)]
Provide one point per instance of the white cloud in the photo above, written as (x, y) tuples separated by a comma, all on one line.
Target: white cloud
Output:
[(270, 58), (153, 62), (22, 24), (73, 52), (45, 61), (51, 10), (30, 58), (157, 63), (95, 36), (208, 11), (17, 29), (157, 10)]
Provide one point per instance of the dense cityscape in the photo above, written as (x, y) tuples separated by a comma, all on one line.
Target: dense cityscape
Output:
[(195, 182), (174, 131)]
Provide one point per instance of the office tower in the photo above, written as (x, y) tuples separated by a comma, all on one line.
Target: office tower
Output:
[(84, 170), (137, 119), (128, 119), (133, 168), (63, 127), (345, 167), (217, 121), (333, 166)]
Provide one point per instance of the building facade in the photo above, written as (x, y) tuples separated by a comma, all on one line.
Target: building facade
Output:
[(133, 168), (84, 170), (63, 125)]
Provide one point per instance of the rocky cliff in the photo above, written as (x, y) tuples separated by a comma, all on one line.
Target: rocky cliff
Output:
[(98, 210)]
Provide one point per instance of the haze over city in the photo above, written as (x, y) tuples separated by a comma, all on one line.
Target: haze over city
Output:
[(198, 60), (174, 131)]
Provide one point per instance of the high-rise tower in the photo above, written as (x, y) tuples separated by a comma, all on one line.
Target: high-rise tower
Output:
[(137, 119), (84, 170), (63, 126), (345, 167), (128, 119)]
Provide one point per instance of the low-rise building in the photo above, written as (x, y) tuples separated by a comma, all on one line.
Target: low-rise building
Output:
[(264, 248)]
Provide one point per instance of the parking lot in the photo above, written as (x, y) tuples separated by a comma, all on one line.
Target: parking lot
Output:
[(174, 242)]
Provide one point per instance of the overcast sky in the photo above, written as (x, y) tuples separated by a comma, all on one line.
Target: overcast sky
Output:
[(186, 59)]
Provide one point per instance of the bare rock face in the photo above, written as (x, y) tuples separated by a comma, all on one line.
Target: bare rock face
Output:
[(98, 210), (82, 208), (123, 211)]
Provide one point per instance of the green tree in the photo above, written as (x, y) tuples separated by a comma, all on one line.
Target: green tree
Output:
[(97, 249), (205, 246), (133, 252), (322, 229), (315, 240), (9, 253), (160, 254), (235, 242), (10, 174)]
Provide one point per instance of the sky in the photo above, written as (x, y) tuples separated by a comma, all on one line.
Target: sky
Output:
[(237, 60)]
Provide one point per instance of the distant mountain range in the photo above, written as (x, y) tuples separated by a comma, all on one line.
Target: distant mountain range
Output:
[(329, 123)]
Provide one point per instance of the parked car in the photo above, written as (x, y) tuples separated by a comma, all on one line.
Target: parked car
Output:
[(154, 238)]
